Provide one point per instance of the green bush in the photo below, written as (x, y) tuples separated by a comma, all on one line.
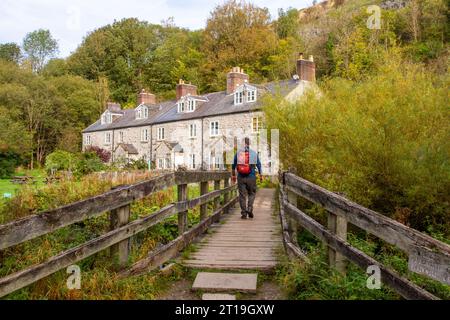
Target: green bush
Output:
[(384, 142), (60, 160), (88, 162), (139, 164)]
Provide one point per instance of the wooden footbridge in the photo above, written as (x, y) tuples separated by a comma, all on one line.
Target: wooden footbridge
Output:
[(231, 244)]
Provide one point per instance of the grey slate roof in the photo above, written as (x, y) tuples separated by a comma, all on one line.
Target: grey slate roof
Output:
[(219, 103)]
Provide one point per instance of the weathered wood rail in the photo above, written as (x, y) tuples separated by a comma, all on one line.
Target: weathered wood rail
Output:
[(117, 202), (427, 255)]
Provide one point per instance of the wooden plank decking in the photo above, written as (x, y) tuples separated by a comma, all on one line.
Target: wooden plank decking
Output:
[(242, 244)]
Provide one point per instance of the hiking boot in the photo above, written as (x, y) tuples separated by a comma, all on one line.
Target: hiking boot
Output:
[(243, 217), (250, 215)]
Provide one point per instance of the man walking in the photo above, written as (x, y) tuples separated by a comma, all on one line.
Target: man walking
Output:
[(245, 161)]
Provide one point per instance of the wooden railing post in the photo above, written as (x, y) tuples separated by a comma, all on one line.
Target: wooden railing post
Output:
[(338, 226), (120, 251), (203, 208), (226, 196), (292, 223), (216, 202), (182, 216)]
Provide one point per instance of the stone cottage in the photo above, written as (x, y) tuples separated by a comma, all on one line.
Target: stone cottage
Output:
[(194, 130)]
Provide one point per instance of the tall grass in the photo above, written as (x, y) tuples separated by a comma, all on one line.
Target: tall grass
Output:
[(99, 277)]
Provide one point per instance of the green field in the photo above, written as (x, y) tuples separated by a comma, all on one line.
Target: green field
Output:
[(7, 187)]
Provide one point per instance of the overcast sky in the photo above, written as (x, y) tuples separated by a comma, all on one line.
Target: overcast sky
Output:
[(70, 20)]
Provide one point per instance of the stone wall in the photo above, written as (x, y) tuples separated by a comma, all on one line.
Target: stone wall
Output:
[(239, 125)]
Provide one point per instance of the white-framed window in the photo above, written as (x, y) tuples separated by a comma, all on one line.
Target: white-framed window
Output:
[(214, 128), (251, 95), (144, 135), (87, 140), (180, 106), (192, 161), (239, 97), (106, 118), (142, 112), (161, 133), (217, 161), (256, 124), (191, 105), (160, 163), (192, 130), (167, 163), (107, 137), (120, 136)]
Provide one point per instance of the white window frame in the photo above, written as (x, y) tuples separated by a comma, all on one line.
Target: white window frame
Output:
[(239, 97), (144, 135), (181, 106), (190, 105), (142, 112), (193, 130), (121, 135), (217, 161), (160, 163), (214, 129), (251, 95), (161, 133), (192, 161), (258, 124), (107, 137), (167, 163), (87, 140)]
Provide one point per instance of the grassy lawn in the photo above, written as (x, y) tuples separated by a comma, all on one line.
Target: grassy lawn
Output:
[(7, 187)]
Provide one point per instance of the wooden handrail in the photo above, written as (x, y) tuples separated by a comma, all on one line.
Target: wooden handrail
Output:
[(427, 255), (403, 286), (118, 199)]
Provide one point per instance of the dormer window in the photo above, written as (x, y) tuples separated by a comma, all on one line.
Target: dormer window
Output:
[(142, 112), (251, 95), (239, 97), (180, 106), (244, 93), (191, 105), (106, 118)]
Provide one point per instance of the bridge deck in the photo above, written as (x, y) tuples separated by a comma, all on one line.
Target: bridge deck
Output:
[(242, 244)]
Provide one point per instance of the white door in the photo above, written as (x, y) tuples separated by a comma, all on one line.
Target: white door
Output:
[(179, 160)]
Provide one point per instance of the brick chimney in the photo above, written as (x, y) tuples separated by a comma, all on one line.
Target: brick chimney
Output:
[(146, 98), (306, 69), (184, 89), (235, 78), (113, 107)]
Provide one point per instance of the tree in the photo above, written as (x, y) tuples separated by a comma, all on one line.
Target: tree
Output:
[(10, 52), (238, 34), (39, 46), (288, 23)]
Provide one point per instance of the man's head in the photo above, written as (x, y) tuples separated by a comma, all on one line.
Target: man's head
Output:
[(247, 141)]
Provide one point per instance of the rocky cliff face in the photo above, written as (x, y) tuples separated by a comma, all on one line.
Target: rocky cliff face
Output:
[(318, 10)]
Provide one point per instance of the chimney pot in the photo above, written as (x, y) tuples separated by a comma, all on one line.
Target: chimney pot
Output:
[(235, 78), (184, 89), (146, 98)]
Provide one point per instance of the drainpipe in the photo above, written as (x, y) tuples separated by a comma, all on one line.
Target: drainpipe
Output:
[(112, 147), (151, 146), (203, 166)]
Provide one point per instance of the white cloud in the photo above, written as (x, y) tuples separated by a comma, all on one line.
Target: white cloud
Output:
[(69, 21)]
